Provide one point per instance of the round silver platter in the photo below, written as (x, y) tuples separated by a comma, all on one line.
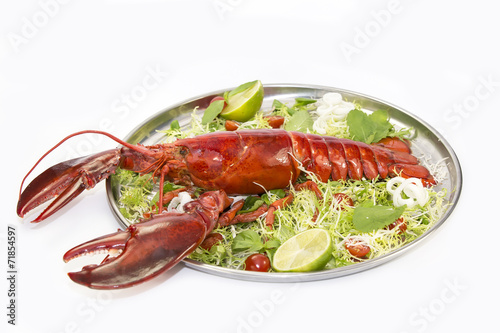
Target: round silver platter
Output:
[(427, 140)]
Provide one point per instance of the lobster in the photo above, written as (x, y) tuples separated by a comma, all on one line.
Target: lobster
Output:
[(223, 163)]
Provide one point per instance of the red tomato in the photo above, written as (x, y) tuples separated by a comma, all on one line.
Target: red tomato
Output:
[(231, 125), (275, 121), (218, 98), (258, 263), (343, 200), (211, 240), (400, 224), (356, 248)]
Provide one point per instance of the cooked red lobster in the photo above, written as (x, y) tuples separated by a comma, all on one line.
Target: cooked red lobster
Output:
[(239, 162)]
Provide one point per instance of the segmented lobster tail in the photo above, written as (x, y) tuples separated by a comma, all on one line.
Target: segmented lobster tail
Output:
[(340, 159)]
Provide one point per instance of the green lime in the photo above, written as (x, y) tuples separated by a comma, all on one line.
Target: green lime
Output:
[(244, 101), (307, 251)]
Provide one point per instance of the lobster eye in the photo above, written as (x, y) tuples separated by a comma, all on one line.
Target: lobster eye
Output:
[(183, 151)]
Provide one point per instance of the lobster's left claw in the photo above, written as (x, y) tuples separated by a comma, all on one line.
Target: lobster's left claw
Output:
[(65, 181), (149, 248)]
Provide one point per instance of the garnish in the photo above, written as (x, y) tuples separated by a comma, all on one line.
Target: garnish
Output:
[(240, 88), (300, 102), (368, 217), (300, 121), (212, 111), (251, 204), (167, 187), (368, 128), (174, 125), (251, 241)]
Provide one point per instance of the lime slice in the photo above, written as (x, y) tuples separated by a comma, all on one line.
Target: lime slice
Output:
[(308, 251), (244, 104)]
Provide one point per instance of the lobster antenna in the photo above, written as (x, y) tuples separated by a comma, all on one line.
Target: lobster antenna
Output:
[(120, 141)]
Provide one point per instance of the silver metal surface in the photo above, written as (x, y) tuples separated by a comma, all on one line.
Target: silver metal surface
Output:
[(426, 139)]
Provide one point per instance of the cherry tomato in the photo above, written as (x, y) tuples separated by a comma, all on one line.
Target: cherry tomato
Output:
[(258, 263), (211, 240), (231, 125), (356, 248), (218, 98), (400, 224), (275, 121), (343, 200)]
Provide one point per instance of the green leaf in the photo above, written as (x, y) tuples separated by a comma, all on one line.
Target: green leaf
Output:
[(278, 105), (381, 123), (167, 187), (247, 240), (368, 128), (251, 204), (300, 101), (241, 88), (300, 121), (359, 125), (269, 199), (369, 217), (212, 111), (174, 125), (272, 244)]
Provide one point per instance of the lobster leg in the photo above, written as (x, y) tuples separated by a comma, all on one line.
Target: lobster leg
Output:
[(151, 247)]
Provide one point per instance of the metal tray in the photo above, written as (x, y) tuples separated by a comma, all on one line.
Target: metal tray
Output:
[(427, 139)]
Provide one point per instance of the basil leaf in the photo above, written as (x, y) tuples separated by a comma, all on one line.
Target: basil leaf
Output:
[(251, 204), (272, 244), (368, 217), (174, 125), (300, 121), (212, 111), (247, 240), (277, 104), (381, 123), (280, 193), (359, 126), (300, 101), (368, 128), (167, 187), (241, 88)]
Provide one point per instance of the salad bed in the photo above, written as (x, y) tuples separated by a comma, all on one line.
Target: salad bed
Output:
[(391, 225)]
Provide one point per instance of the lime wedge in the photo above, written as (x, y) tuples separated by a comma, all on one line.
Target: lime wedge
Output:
[(308, 251), (244, 101)]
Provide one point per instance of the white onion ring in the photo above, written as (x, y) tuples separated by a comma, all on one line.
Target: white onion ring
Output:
[(411, 187), (179, 201)]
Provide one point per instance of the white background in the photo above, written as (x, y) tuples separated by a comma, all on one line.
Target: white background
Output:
[(73, 65)]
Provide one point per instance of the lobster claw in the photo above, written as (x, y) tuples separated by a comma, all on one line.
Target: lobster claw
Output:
[(65, 181), (151, 247)]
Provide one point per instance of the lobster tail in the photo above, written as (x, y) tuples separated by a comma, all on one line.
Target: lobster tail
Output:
[(340, 159)]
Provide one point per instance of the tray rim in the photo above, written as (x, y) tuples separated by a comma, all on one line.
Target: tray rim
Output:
[(318, 275)]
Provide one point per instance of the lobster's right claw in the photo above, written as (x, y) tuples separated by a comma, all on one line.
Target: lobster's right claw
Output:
[(149, 248), (65, 181), (144, 251)]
